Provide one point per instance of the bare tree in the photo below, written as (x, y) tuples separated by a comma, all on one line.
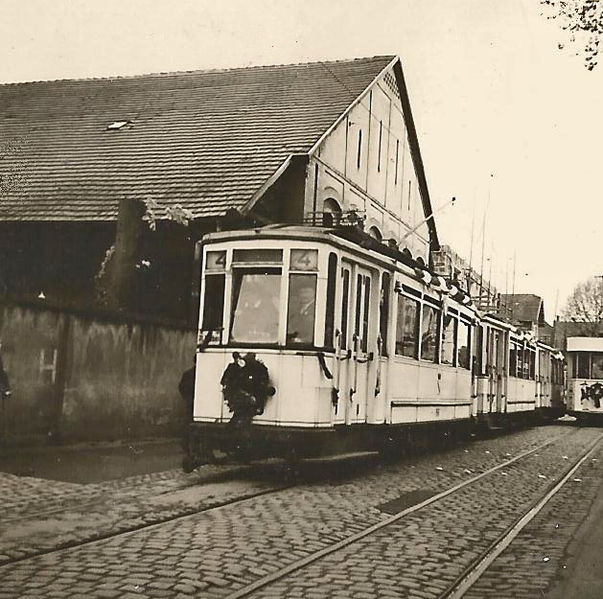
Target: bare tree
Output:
[(585, 305), (583, 20)]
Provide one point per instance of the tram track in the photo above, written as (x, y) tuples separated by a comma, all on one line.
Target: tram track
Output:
[(74, 545), (105, 493), (477, 566), (267, 580), (258, 470)]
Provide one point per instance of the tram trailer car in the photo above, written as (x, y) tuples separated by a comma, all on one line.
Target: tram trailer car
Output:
[(585, 379), (318, 341)]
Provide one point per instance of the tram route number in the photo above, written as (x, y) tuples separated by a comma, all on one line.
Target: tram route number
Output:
[(304, 260), (216, 260)]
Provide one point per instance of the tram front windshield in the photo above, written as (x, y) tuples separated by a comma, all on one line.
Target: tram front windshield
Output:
[(255, 306)]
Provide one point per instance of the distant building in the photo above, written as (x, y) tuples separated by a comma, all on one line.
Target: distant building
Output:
[(526, 311), (564, 329), (119, 177)]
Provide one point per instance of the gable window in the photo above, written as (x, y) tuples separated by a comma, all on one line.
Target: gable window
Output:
[(375, 233), (397, 160), (359, 151), (379, 148)]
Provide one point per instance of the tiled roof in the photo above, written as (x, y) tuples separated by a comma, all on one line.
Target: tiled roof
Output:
[(524, 307), (206, 140)]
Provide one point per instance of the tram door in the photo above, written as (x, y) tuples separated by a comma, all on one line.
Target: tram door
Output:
[(496, 344), (355, 351)]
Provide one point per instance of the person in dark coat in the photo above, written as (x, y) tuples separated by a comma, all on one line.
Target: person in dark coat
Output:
[(186, 387)]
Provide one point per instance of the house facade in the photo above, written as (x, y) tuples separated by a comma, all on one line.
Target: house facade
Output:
[(197, 152)]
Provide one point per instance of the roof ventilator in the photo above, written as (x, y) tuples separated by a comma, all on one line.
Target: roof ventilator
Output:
[(117, 125)]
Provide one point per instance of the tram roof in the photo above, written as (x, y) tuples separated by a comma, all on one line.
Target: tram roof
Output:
[(585, 344), (206, 141)]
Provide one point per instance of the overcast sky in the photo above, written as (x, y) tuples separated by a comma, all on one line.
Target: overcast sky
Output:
[(501, 112)]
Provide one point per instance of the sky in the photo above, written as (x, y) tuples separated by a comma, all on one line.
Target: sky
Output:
[(508, 123)]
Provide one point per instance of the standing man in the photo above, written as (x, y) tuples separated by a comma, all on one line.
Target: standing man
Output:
[(186, 387)]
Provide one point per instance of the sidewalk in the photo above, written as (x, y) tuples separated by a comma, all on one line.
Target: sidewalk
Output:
[(92, 462)]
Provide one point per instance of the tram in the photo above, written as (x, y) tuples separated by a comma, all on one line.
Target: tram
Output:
[(518, 379), (585, 379), (322, 340)]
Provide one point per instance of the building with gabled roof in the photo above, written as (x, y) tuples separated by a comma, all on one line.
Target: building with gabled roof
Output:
[(197, 151), (526, 310)]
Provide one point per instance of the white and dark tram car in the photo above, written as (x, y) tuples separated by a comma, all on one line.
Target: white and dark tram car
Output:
[(316, 340), (585, 379)]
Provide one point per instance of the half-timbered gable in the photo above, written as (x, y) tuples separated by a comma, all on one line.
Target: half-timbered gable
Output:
[(369, 162)]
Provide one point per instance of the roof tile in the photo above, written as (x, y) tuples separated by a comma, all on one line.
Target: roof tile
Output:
[(206, 140)]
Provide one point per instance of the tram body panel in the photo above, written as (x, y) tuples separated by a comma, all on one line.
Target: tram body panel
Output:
[(522, 393), (585, 376), (302, 397)]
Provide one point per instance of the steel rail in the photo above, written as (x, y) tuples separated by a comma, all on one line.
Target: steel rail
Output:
[(73, 503), (302, 563), (477, 568), (76, 544)]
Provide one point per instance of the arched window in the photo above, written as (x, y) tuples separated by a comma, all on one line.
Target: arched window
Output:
[(374, 232), (331, 213)]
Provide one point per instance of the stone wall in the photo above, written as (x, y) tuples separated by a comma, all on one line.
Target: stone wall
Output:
[(78, 376)]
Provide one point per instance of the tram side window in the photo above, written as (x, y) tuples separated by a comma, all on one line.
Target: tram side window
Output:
[(521, 363), (407, 328), (366, 313), (463, 339), (583, 366), (330, 311), (345, 298), (429, 333), (597, 366), (302, 309), (449, 340), (213, 304), (512, 359), (384, 311), (255, 305), (532, 365)]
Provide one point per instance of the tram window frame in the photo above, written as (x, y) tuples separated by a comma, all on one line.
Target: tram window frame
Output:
[(521, 362), (332, 270), (583, 361), (532, 364), (384, 303), (345, 306), (240, 271), (449, 358), (477, 351), (366, 313), (435, 324), (401, 344), (466, 362), (358, 305), (513, 359), (596, 365), (305, 342), (213, 313)]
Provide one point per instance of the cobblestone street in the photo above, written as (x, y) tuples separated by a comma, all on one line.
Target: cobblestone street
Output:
[(216, 532)]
